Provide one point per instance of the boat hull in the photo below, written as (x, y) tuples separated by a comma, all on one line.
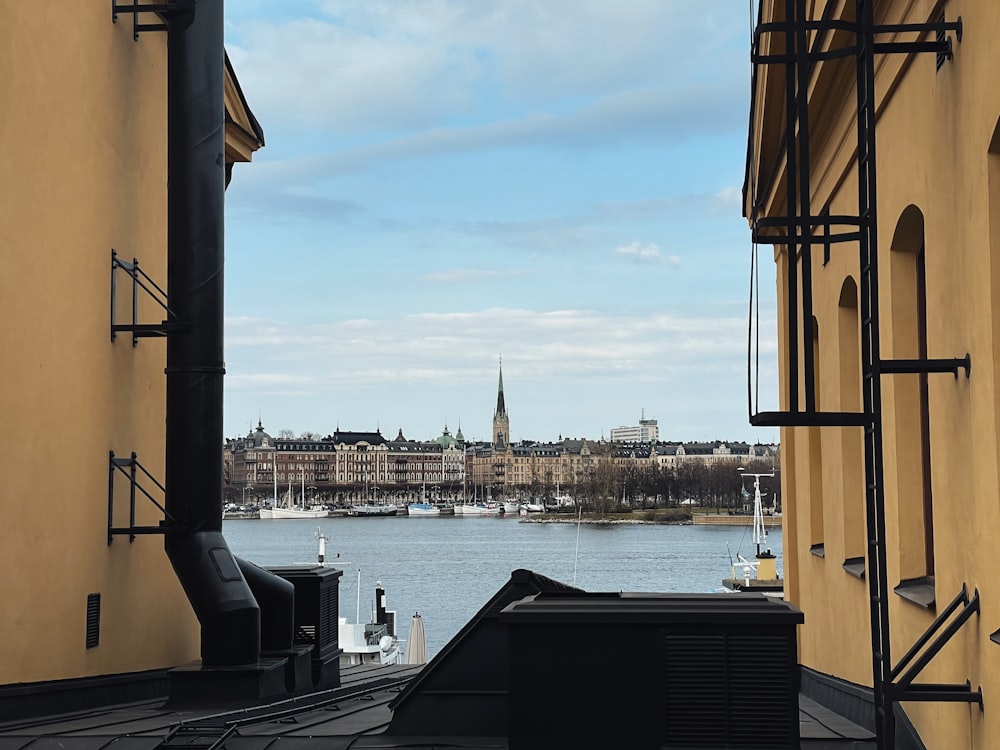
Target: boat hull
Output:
[(768, 587), (372, 510), (296, 513), (477, 510)]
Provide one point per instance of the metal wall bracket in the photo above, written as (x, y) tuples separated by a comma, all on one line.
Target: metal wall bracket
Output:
[(903, 687), (140, 280), (916, 366), (163, 10), (131, 468)]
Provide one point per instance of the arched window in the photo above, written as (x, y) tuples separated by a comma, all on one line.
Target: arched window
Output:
[(908, 301), (816, 540), (851, 438)]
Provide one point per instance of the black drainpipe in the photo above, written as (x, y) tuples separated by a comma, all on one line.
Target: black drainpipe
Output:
[(211, 577)]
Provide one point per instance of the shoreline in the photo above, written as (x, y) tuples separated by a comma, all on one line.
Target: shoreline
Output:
[(699, 519)]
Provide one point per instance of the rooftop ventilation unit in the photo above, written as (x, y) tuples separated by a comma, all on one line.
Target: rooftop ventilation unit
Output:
[(652, 670)]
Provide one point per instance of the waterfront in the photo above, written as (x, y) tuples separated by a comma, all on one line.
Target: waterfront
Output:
[(448, 567)]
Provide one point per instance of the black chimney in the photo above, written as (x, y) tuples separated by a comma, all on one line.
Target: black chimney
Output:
[(218, 592)]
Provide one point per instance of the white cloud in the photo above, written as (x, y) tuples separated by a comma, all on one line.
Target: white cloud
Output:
[(452, 155), (448, 345), (640, 251), (414, 370), (359, 67)]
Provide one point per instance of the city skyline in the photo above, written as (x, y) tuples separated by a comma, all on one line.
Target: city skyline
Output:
[(288, 433), (444, 183)]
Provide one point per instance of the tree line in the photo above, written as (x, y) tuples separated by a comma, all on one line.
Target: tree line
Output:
[(718, 485)]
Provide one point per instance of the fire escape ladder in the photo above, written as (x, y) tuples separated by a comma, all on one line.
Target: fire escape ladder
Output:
[(140, 281), (134, 472), (795, 44)]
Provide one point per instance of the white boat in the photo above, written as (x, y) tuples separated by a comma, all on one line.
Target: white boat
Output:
[(511, 507), (478, 509), (288, 509), (759, 575), (423, 508), (299, 512), (373, 510), (374, 643), (534, 507)]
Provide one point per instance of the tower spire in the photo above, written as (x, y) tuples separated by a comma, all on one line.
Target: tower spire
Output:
[(501, 424), (501, 408)]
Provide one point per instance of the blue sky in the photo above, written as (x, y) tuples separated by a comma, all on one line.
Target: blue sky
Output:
[(448, 181)]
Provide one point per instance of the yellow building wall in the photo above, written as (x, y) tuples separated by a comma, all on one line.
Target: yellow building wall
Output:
[(83, 147), (934, 132)]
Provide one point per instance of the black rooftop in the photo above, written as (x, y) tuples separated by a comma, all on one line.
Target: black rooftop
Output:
[(472, 694)]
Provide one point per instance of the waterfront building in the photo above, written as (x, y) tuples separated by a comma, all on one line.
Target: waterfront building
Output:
[(452, 459), (343, 466), (406, 462), (373, 467), (647, 431), (668, 455), (873, 175), (578, 460), (253, 461), (361, 462), (86, 147), (296, 462), (418, 466), (263, 466)]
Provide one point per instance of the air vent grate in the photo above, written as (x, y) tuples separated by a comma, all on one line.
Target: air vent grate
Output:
[(727, 690), (93, 620), (329, 607)]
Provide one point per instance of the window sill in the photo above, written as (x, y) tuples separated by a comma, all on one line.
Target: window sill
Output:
[(855, 566), (919, 591), (818, 550)]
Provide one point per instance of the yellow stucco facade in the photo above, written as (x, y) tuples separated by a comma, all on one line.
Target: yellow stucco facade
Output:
[(84, 152), (938, 203)]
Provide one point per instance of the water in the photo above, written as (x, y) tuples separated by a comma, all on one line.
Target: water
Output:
[(448, 567)]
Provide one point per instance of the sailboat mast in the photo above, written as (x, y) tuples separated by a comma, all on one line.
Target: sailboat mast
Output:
[(759, 530)]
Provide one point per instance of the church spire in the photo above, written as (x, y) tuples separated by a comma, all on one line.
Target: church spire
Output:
[(501, 409), (501, 424)]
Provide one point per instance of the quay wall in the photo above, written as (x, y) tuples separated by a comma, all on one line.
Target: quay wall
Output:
[(715, 519)]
